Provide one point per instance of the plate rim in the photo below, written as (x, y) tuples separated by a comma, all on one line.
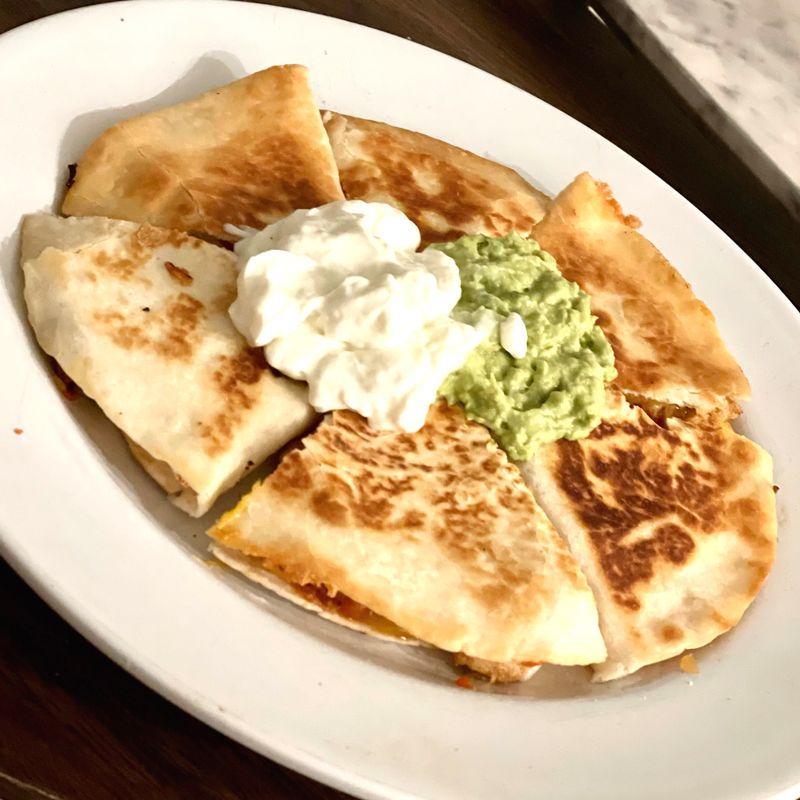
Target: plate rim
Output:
[(108, 642)]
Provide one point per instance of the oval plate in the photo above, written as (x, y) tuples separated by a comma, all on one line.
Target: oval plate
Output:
[(101, 544)]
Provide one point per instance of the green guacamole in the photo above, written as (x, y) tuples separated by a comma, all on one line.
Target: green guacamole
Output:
[(555, 391)]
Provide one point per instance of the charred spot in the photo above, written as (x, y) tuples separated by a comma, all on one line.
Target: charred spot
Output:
[(292, 474), (412, 519), (373, 511), (148, 237), (674, 543), (233, 378), (72, 171), (671, 633), (325, 505), (636, 491), (181, 318), (179, 274)]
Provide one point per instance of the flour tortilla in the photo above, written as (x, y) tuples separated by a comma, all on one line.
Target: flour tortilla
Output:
[(247, 153), (667, 347), (137, 317), (434, 531), (674, 527), (445, 190)]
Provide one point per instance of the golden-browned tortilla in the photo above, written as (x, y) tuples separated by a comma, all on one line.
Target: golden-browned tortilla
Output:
[(247, 153), (666, 343), (137, 316), (445, 190), (435, 531), (674, 528)]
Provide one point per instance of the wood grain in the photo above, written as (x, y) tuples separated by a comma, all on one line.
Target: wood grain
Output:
[(73, 725)]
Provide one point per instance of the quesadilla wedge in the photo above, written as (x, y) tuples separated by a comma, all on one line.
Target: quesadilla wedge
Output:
[(137, 316), (247, 153), (445, 190), (668, 351), (674, 527), (434, 531)]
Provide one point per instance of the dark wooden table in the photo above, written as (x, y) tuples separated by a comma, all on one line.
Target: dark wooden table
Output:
[(72, 724)]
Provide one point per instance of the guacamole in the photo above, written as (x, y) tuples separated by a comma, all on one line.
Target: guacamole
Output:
[(554, 391)]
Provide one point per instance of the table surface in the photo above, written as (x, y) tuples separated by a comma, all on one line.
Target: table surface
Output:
[(739, 65), (73, 725)]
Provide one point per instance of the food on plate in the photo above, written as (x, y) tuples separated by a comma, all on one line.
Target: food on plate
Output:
[(246, 153), (454, 320), (137, 316), (445, 190), (667, 348), (673, 526), (552, 385), (313, 597), (497, 672), (339, 297), (435, 531)]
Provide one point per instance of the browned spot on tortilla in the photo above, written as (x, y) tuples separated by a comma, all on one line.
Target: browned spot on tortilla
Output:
[(181, 316), (671, 633), (181, 275), (644, 495), (171, 333), (147, 238), (292, 476), (236, 380), (627, 219), (325, 505), (139, 247)]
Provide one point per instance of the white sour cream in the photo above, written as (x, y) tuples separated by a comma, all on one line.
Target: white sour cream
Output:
[(339, 297), (514, 335)]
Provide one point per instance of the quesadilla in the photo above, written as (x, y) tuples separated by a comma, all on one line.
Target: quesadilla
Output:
[(674, 528), (434, 531), (445, 190), (137, 316), (669, 354), (247, 153)]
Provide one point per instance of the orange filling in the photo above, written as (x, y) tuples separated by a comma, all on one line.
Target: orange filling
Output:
[(660, 412)]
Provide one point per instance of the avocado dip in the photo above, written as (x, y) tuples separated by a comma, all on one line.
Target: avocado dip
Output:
[(556, 390)]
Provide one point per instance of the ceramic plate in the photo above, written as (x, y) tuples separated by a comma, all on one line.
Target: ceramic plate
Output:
[(103, 546)]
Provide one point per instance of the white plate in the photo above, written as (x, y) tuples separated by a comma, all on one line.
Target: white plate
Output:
[(100, 543)]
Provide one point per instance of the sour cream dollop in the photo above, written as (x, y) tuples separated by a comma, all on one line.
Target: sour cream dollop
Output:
[(514, 335), (339, 297)]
